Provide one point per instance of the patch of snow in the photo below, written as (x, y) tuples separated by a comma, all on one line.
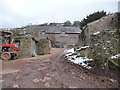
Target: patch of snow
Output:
[(96, 44), (78, 49), (107, 53), (70, 50), (99, 53), (78, 60), (71, 44), (96, 33), (104, 48), (108, 41), (83, 48), (115, 56), (68, 54), (65, 51)]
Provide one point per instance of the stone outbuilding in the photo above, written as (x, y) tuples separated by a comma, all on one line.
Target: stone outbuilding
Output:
[(60, 36)]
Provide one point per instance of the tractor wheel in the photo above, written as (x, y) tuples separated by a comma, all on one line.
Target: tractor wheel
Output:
[(6, 56), (14, 56)]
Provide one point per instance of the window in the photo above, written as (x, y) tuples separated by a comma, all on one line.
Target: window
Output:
[(63, 33), (42, 32)]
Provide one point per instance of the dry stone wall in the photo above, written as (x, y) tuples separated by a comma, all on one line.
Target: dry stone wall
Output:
[(25, 48), (43, 47), (33, 31), (109, 22)]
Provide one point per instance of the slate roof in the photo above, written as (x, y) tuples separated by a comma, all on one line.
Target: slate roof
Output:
[(58, 29)]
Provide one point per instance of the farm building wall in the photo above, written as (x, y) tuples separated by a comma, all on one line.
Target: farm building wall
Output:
[(59, 39), (43, 47), (108, 22), (62, 40), (26, 46), (33, 31), (30, 30)]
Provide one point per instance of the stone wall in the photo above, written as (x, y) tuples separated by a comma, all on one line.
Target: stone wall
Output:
[(25, 48), (16, 32), (109, 22), (31, 42), (62, 40), (28, 46), (33, 31), (43, 47)]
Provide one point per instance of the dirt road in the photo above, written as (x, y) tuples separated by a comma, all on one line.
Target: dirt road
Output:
[(49, 71)]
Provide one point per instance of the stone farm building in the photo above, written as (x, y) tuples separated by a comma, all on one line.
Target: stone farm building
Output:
[(60, 36)]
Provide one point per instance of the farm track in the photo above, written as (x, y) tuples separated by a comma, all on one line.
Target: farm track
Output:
[(50, 71)]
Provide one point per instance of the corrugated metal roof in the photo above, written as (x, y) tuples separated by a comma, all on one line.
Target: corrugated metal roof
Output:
[(59, 29)]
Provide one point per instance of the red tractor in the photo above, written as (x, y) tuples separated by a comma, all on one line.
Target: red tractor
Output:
[(8, 46), (9, 51)]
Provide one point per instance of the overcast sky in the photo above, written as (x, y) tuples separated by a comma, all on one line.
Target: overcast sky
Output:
[(16, 13)]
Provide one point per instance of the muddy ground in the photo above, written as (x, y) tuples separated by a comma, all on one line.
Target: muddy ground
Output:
[(50, 71)]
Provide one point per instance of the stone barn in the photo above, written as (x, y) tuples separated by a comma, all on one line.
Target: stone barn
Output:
[(60, 36)]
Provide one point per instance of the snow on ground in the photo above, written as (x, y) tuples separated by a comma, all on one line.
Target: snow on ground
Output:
[(96, 33), (83, 48), (70, 50), (77, 60), (72, 56), (115, 56)]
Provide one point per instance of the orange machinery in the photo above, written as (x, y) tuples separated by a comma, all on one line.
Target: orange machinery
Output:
[(8, 51)]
